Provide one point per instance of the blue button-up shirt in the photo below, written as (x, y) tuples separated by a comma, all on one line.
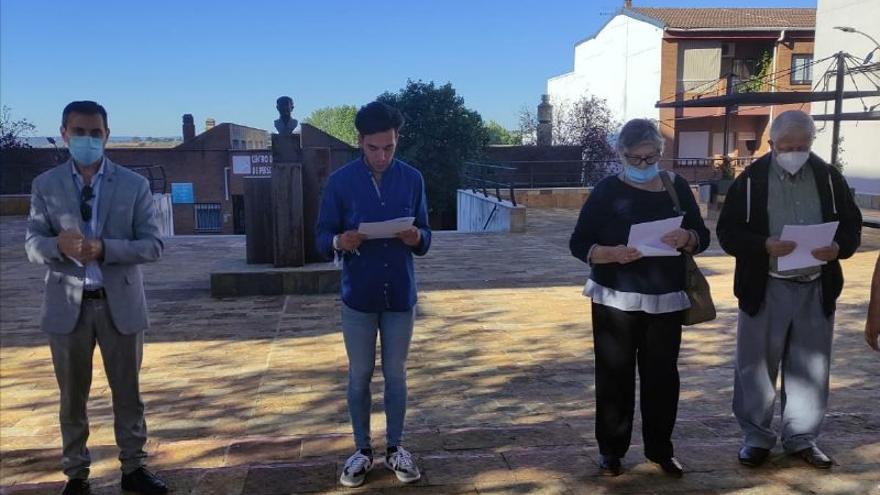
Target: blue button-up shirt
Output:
[(380, 276), (94, 278)]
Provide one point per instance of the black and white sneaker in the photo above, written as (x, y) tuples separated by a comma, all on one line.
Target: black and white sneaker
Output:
[(401, 462), (356, 468)]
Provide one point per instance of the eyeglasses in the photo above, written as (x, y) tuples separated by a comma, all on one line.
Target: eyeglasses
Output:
[(85, 209), (637, 160)]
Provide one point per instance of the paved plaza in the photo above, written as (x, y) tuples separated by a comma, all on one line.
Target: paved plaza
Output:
[(247, 396)]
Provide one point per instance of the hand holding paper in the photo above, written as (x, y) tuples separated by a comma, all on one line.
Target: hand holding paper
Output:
[(827, 253), (70, 243), (808, 238), (648, 237), (411, 236), (387, 229)]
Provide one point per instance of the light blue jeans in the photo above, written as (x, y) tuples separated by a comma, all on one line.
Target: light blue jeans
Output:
[(359, 331)]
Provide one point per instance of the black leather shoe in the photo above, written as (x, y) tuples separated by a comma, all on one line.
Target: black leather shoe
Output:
[(77, 487), (670, 466), (753, 456), (815, 457), (143, 482), (610, 465)]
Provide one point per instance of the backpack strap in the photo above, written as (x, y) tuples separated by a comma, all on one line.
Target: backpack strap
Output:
[(670, 188)]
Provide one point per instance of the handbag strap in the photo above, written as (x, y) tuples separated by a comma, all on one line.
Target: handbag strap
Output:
[(667, 184)]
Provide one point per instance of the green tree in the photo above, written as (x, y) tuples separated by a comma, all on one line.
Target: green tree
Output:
[(13, 133), (500, 135), (440, 134), (337, 121), (587, 123)]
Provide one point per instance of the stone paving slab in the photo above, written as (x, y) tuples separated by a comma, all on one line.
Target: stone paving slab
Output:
[(247, 395)]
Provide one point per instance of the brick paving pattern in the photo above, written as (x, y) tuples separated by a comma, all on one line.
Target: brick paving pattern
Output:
[(247, 396)]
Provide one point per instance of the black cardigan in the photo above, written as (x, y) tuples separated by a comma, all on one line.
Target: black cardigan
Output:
[(605, 219), (743, 230)]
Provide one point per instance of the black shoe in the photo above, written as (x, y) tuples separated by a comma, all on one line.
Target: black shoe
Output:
[(77, 487), (815, 457), (143, 482), (610, 465), (670, 466), (753, 456)]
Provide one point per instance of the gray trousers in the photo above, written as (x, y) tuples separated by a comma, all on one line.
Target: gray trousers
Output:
[(72, 356), (792, 330)]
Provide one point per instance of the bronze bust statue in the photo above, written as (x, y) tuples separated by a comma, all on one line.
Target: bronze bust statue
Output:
[(285, 124)]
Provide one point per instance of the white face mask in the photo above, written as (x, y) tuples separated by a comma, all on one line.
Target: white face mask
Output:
[(792, 161)]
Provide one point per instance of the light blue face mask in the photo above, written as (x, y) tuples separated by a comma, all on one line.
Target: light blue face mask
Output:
[(86, 150), (641, 175)]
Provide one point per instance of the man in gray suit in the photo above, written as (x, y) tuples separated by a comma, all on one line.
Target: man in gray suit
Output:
[(92, 223)]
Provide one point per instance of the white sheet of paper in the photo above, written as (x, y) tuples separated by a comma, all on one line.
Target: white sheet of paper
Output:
[(646, 237), (808, 238), (386, 229)]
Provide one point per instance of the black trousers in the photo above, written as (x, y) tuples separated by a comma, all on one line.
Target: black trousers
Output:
[(623, 339)]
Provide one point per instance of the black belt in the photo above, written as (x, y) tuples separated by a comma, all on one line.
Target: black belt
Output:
[(94, 294)]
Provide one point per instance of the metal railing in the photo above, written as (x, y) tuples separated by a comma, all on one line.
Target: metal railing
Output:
[(585, 173), (155, 174), (543, 173), (561, 173), (484, 177), (708, 169), (208, 217)]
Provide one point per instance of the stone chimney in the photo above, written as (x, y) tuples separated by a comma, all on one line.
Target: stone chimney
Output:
[(209, 124), (189, 127), (627, 4), (545, 122)]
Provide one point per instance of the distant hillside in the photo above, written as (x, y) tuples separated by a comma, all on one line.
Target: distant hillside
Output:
[(114, 142)]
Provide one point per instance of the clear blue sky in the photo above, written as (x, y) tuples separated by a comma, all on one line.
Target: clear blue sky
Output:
[(150, 62)]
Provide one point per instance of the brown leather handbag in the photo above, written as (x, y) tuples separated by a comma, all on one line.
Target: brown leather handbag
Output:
[(695, 284)]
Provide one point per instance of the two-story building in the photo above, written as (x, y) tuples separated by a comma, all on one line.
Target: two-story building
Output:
[(643, 56)]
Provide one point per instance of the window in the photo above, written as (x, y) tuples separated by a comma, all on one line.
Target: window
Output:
[(802, 69), (693, 144), (208, 217), (699, 66), (744, 68)]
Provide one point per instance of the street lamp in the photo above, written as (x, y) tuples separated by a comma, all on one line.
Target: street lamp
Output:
[(848, 29)]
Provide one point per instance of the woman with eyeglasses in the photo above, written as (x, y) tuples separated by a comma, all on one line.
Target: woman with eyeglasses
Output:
[(637, 301)]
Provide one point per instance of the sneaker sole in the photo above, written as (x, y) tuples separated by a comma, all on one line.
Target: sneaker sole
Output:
[(352, 484), (403, 478), (355, 484)]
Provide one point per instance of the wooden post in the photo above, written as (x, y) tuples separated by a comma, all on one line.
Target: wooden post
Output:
[(316, 169), (287, 199), (258, 222)]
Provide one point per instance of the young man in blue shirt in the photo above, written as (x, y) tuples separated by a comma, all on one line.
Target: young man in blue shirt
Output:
[(378, 279)]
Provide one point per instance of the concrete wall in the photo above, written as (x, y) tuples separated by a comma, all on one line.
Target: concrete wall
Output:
[(869, 201), (15, 205), (860, 138), (571, 198), (621, 64), (478, 213)]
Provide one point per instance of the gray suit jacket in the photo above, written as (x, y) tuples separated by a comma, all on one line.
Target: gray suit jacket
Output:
[(128, 226)]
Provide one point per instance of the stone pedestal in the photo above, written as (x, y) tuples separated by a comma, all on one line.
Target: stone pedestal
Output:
[(258, 211), (287, 201)]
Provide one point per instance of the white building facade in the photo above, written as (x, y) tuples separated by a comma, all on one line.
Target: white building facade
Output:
[(860, 138), (620, 64)]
